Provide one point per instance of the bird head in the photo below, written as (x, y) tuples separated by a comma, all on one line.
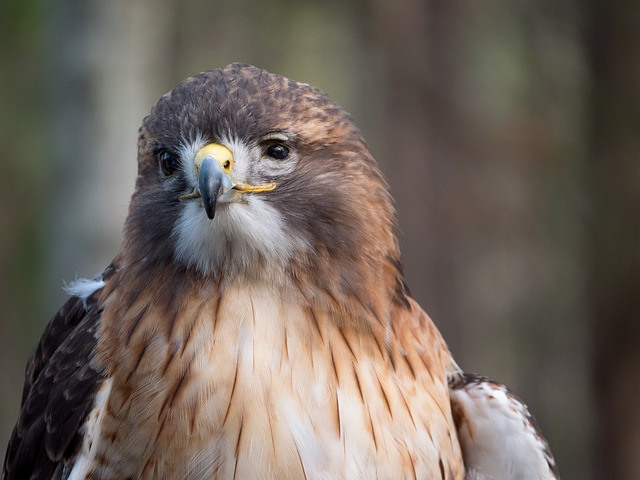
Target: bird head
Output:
[(243, 173)]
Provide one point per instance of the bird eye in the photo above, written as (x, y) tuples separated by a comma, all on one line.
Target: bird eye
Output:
[(277, 151), (168, 162)]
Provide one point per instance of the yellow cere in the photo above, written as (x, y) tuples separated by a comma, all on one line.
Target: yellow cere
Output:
[(224, 157), (220, 153)]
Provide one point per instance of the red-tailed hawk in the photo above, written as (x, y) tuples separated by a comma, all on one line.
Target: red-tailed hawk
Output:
[(255, 323)]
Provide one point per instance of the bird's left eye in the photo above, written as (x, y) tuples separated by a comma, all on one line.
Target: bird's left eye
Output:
[(277, 151), (168, 163)]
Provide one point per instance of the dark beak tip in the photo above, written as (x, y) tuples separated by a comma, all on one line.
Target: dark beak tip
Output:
[(211, 211), (209, 183)]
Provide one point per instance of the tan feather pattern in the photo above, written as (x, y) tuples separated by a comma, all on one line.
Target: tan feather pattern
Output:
[(271, 388)]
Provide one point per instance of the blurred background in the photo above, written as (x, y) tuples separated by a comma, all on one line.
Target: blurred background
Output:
[(509, 132)]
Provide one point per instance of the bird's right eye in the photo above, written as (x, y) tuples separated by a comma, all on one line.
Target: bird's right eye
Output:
[(168, 162)]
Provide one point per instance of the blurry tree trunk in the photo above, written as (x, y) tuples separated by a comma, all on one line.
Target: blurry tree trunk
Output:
[(614, 50), (108, 66), (417, 147)]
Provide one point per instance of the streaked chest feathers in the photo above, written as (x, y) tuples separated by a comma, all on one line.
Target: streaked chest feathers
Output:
[(251, 386)]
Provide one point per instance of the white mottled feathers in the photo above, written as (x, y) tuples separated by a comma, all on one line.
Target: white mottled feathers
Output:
[(499, 437)]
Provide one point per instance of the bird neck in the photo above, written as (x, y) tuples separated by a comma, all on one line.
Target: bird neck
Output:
[(355, 290), (182, 314)]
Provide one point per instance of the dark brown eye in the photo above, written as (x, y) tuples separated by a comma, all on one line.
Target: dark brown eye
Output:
[(168, 162), (277, 151)]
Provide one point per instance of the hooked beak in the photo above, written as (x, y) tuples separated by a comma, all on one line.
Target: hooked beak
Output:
[(213, 166), (212, 182), (214, 163)]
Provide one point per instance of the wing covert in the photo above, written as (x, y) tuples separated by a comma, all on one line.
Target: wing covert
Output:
[(60, 383), (498, 435)]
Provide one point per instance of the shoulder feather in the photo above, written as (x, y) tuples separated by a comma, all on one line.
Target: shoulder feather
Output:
[(498, 435), (60, 383)]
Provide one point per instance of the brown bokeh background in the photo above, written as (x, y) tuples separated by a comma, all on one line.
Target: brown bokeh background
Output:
[(509, 132)]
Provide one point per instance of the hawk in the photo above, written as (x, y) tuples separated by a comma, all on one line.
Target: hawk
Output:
[(255, 322)]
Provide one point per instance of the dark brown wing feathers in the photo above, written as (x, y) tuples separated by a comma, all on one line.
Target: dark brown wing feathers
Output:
[(59, 388)]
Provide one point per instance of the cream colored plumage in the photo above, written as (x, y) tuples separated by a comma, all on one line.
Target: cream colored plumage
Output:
[(255, 323), (267, 387)]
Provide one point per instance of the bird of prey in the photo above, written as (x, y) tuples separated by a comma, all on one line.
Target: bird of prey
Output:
[(255, 323)]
